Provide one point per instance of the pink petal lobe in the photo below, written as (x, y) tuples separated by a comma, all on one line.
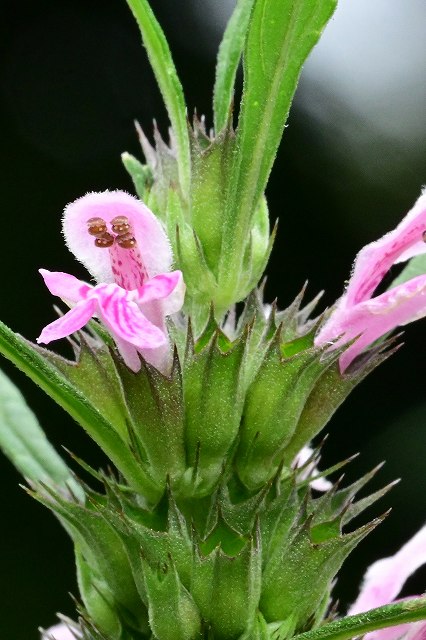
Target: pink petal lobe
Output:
[(64, 285), (161, 287), (59, 632), (152, 242), (129, 353), (386, 577), (376, 258), (374, 318), (319, 484), (72, 321), (417, 631), (123, 318), (389, 633)]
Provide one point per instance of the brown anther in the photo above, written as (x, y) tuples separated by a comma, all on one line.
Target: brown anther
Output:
[(424, 236), (104, 241), (96, 227), (126, 241), (120, 225)]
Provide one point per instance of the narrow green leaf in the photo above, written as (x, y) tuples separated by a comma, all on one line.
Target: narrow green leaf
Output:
[(24, 442), (281, 35), (141, 175), (228, 59), (415, 267), (165, 72), (380, 618), (43, 373)]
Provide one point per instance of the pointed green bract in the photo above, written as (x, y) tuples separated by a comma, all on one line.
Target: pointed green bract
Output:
[(173, 614), (280, 37), (228, 59), (156, 418), (141, 175), (165, 72), (213, 404), (274, 403), (183, 563)]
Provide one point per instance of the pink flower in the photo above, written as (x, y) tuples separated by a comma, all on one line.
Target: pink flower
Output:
[(125, 248), (59, 632), (384, 580), (304, 456), (360, 315)]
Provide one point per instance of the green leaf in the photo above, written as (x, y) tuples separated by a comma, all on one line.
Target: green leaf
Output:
[(380, 618), (141, 174), (280, 37), (415, 267), (165, 72), (57, 386), (24, 442), (228, 59)]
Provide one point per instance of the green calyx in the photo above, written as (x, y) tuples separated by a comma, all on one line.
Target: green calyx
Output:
[(242, 399), (209, 568), (195, 225), (203, 531)]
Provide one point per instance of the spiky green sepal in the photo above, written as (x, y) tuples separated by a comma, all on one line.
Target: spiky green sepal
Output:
[(186, 569), (204, 530), (195, 225)]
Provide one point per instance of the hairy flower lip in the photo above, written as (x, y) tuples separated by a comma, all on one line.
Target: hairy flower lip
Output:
[(359, 315), (151, 238)]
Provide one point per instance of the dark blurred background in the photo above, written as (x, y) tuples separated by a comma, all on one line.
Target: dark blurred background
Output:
[(73, 76)]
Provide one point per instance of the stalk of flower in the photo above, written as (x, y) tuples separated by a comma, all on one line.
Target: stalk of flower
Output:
[(126, 250), (363, 317)]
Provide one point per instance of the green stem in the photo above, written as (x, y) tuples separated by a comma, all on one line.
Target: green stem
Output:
[(387, 616)]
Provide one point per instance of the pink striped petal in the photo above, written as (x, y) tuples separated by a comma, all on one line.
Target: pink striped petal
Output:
[(374, 318), (129, 353), (159, 357), (375, 259), (152, 242), (159, 287), (385, 578), (64, 285), (124, 318), (72, 321), (169, 288)]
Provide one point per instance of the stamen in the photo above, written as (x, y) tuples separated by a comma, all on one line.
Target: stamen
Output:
[(104, 241), (126, 241), (424, 236), (120, 225), (96, 227)]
